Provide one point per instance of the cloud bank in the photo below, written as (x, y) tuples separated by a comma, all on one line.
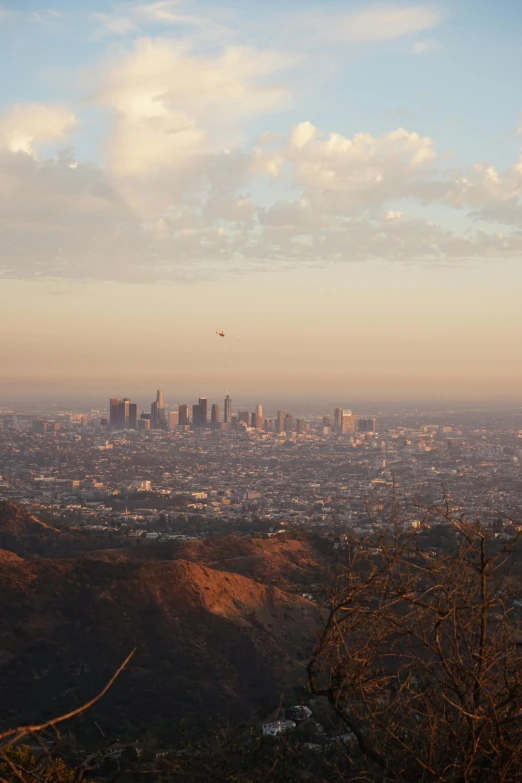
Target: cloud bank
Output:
[(182, 194)]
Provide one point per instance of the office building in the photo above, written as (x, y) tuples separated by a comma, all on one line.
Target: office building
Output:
[(215, 415), (349, 423), (114, 413), (367, 425), (158, 414), (196, 417), (300, 426), (173, 420), (123, 414), (280, 421), (244, 417), (184, 417), (227, 410), (203, 406), (338, 421), (288, 423), (327, 421)]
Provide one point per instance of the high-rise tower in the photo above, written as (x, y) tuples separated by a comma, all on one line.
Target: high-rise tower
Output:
[(203, 408), (114, 413), (157, 412), (228, 410)]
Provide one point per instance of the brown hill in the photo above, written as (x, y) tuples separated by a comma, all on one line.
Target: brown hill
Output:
[(207, 642), (9, 557), (18, 522), (291, 564)]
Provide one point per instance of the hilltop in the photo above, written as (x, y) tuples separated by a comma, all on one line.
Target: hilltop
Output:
[(290, 563), (208, 641), (15, 521)]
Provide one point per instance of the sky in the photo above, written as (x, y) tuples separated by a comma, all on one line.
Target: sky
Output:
[(334, 184)]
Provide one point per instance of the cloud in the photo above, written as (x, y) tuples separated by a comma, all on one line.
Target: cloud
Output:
[(23, 127), (343, 174), (170, 103), (382, 22), (60, 218)]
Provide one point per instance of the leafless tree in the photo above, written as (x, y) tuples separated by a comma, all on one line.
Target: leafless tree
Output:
[(18, 764), (420, 656)]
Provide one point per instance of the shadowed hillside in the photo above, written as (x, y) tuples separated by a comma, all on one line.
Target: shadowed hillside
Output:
[(207, 641)]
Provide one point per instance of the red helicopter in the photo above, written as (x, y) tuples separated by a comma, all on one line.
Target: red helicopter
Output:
[(221, 334)]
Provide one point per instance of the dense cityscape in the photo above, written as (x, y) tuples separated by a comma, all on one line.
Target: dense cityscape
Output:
[(192, 472)]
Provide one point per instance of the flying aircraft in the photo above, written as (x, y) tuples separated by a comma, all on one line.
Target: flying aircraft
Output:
[(221, 334)]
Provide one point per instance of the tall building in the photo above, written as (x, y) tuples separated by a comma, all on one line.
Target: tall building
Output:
[(327, 421), (184, 417), (124, 407), (157, 412), (367, 425), (300, 426), (196, 416), (228, 410), (123, 414), (173, 420), (244, 417), (215, 415), (113, 413), (280, 421), (259, 414), (203, 404), (338, 421), (349, 423), (288, 423), (253, 421)]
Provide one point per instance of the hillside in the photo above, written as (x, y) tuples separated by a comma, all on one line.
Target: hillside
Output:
[(290, 564), (207, 641), (18, 522)]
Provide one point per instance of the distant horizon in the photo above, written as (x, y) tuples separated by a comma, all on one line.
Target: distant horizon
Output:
[(368, 404)]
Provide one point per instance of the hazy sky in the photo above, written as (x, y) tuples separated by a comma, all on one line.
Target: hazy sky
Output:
[(335, 184)]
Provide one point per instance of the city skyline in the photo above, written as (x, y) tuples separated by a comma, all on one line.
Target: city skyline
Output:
[(123, 415)]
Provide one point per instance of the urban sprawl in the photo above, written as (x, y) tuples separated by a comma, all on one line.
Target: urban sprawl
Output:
[(200, 471)]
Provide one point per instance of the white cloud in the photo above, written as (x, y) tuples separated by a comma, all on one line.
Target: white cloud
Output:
[(24, 126), (171, 103), (63, 219), (382, 22), (343, 174)]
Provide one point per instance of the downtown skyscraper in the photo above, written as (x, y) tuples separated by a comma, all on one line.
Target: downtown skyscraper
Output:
[(227, 417), (157, 413)]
